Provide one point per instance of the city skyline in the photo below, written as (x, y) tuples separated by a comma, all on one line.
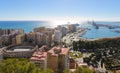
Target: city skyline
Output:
[(60, 10)]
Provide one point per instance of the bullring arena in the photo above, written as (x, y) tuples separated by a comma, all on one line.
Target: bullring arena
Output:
[(19, 51)]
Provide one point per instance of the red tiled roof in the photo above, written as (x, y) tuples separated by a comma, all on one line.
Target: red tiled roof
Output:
[(39, 55)]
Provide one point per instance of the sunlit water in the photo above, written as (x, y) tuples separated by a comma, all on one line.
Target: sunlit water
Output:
[(92, 33), (102, 32), (26, 25)]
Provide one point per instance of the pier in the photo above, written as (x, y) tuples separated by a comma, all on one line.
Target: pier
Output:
[(104, 25)]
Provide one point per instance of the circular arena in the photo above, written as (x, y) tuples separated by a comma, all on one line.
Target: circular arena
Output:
[(18, 51)]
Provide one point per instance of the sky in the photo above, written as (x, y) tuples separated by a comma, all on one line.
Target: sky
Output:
[(60, 10)]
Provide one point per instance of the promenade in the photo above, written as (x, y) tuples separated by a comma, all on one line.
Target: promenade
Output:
[(76, 36)]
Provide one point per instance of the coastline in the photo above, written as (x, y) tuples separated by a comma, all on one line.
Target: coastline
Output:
[(81, 33), (94, 39), (78, 35)]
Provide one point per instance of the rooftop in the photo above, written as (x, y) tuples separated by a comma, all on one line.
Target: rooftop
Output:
[(38, 55), (44, 48), (59, 50)]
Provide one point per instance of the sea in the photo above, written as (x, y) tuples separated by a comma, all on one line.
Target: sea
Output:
[(101, 32), (92, 33), (27, 26)]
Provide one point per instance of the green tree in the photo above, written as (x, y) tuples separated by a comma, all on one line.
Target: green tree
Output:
[(66, 71), (47, 71), (83, 70), (20, 66)]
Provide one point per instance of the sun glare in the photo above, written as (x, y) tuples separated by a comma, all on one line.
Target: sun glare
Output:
[(61, 22)]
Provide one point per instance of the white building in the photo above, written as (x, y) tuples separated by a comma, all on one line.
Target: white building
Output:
[(0, 41), (57, 36), (64, 31), (1, 55), (40, 38), (19, 39)]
